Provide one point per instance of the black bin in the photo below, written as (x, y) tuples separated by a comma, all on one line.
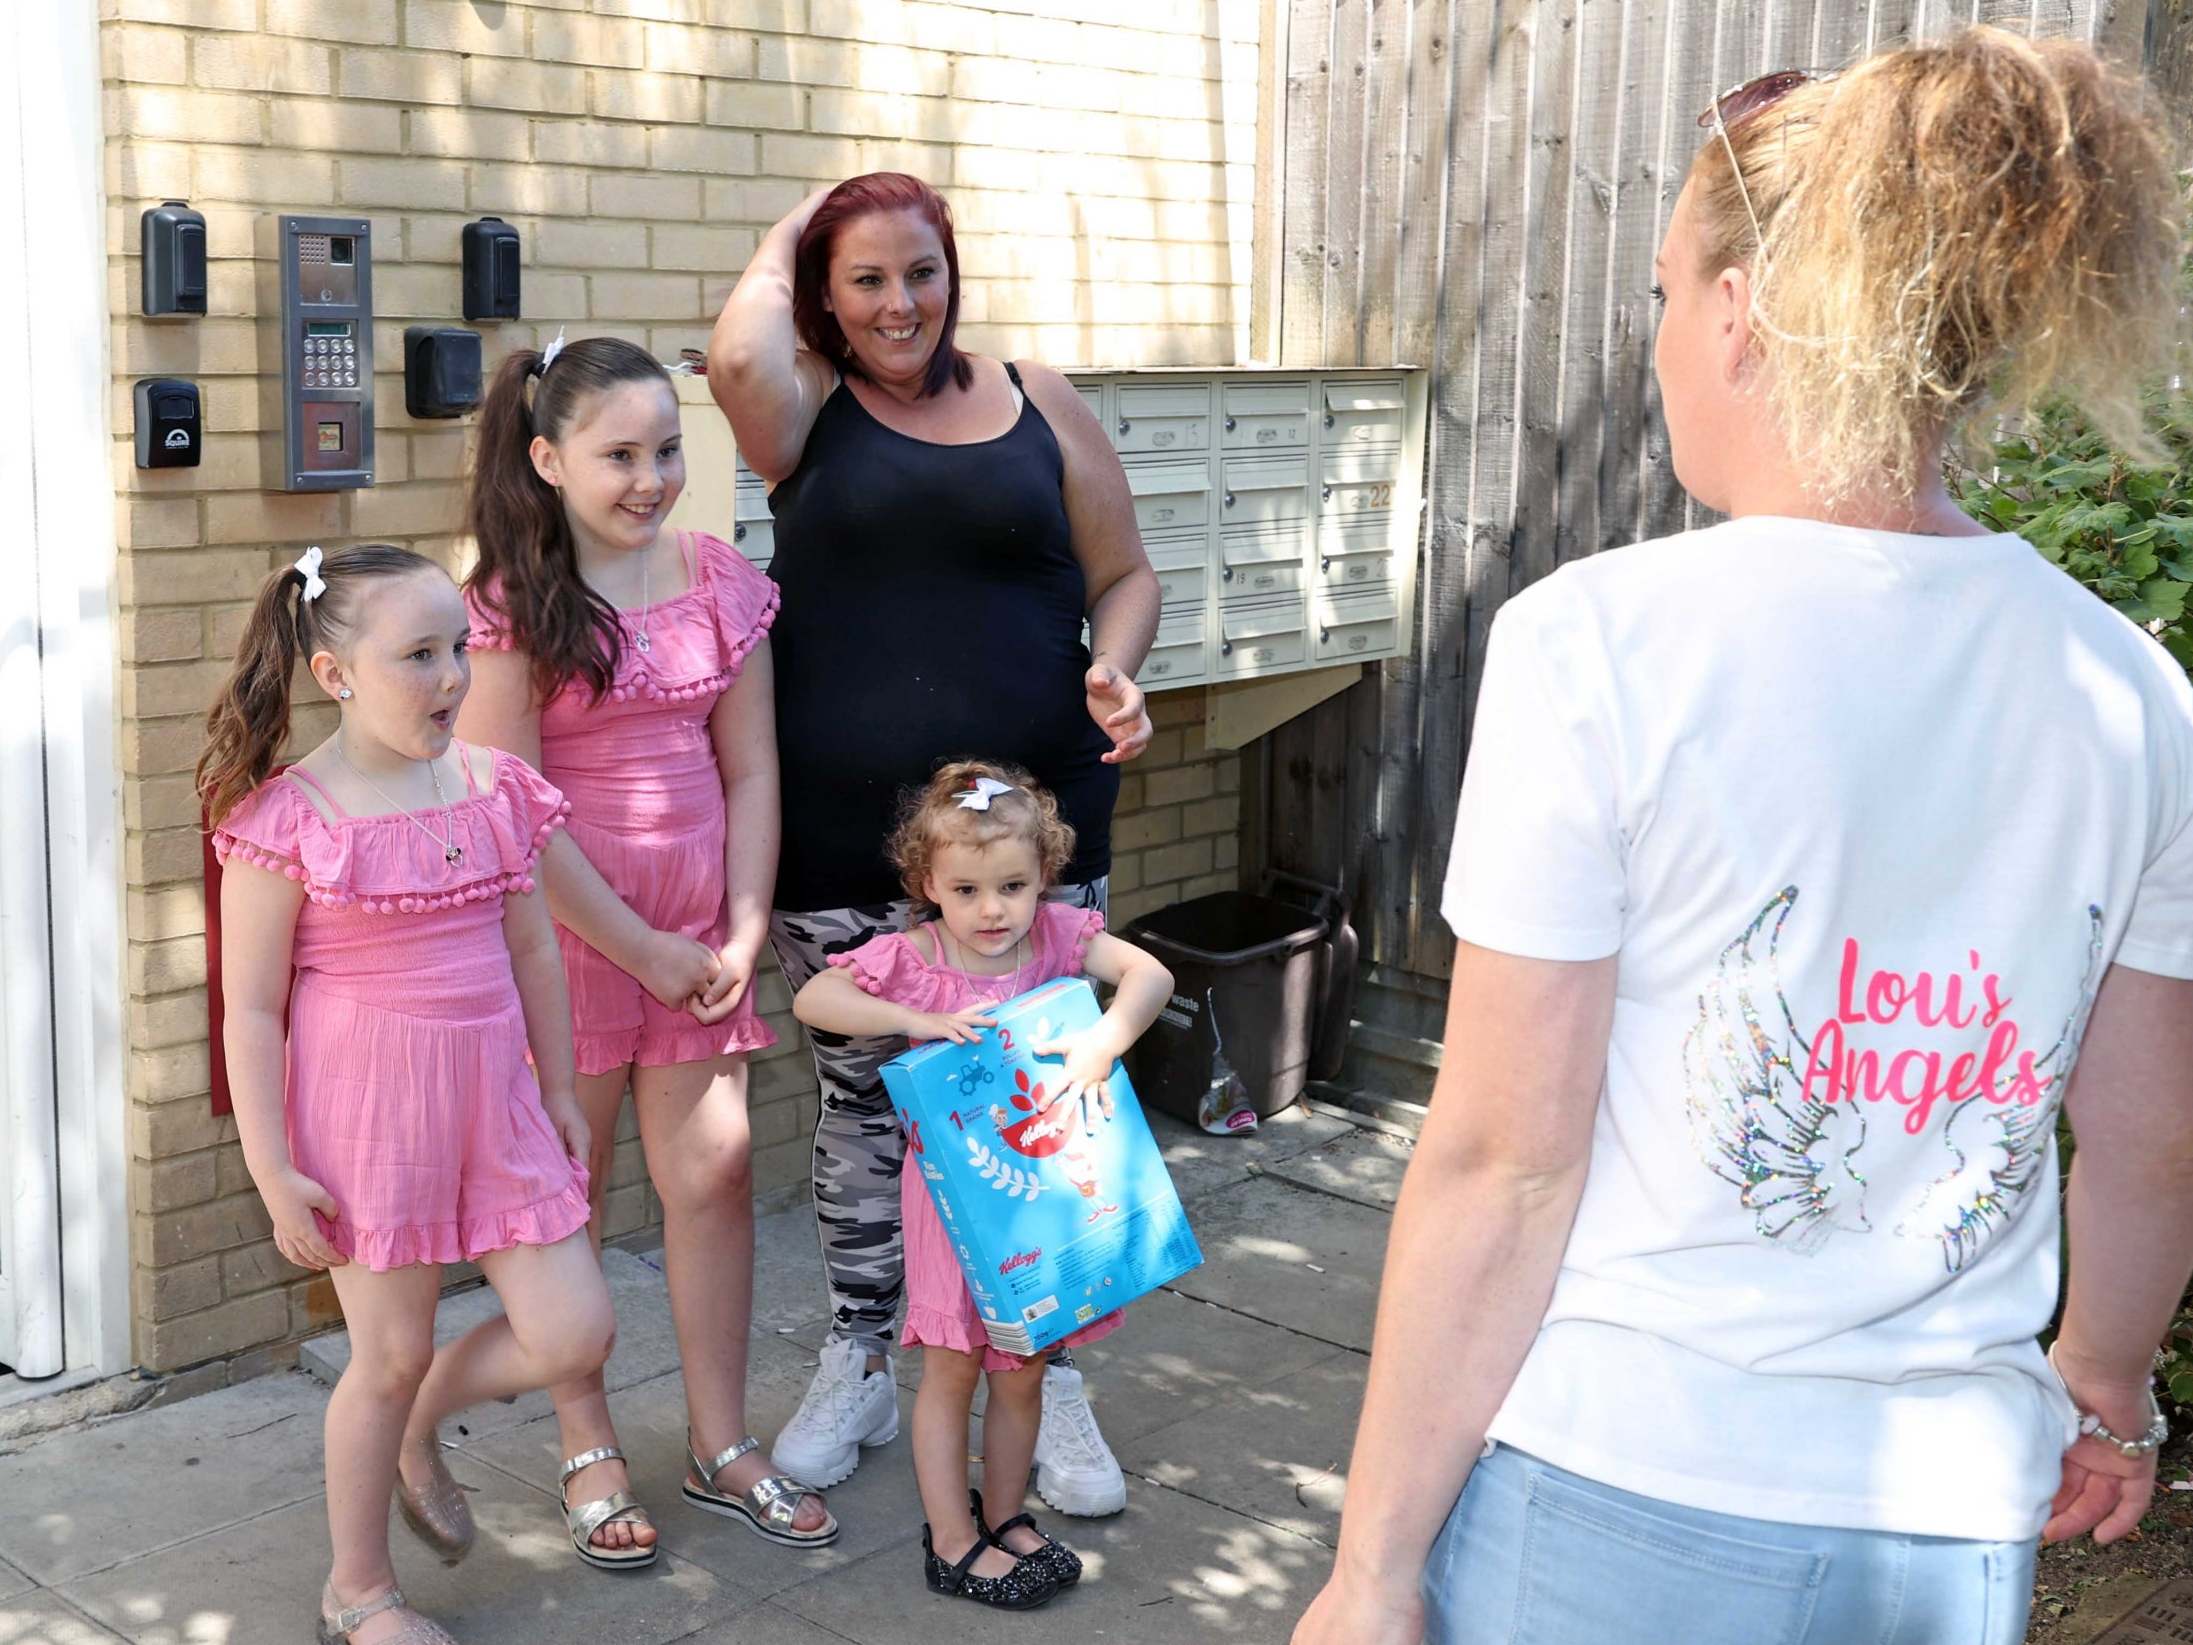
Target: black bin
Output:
[(1246, 999)]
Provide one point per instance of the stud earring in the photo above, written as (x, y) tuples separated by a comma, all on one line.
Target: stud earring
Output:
[(343, 695)]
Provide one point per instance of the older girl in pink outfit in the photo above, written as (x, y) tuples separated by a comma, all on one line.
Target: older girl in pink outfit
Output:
[(632, 664), (380, 894), (979, 845)]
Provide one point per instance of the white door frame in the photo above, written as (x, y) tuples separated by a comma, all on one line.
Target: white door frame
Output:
[(59, 483)]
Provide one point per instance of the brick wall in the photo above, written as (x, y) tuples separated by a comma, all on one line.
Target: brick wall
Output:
[(1101, 178)]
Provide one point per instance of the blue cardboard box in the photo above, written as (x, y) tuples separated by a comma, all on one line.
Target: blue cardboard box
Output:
[(1056, 1222)]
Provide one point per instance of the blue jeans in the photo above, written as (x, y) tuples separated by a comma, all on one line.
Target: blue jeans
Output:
[(1534, 1555)]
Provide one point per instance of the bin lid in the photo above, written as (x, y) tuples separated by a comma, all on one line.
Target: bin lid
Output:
[(1228, 928)]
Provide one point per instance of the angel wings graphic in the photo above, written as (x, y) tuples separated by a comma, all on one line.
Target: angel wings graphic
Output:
[(1795, 1160)]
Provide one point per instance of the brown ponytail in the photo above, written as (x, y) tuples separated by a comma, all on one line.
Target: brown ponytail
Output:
[(1978, 220), (528, 572), (249, 720)]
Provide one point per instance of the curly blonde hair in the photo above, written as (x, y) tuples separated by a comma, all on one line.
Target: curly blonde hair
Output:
[(932, 816), (1975, 222)]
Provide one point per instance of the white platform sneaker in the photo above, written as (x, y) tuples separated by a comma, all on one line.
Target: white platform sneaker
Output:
[(1076, 1472), (847, 1407)]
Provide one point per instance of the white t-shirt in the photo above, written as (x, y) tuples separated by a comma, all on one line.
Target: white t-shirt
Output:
[(1865, 817)]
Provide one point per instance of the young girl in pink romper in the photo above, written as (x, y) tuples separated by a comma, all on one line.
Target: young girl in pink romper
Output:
[(979, 845), (381, 896), (632, 663)]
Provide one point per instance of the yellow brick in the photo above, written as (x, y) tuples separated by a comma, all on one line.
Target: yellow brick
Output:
[(865, 114), (170, 688), (758, 200), (709, 250), (1145, 828), (165, 745), (163, 802), (905, 23), (1182, 861), (534, 88), (146, 522), (664, 342), (172, 1019), (262, 63), (163, 854), (174, 1127), (653, 96), (164, 1293), (407, 511), (809, 62), (276, 517), (402, 76), (147, 171), (163, 635), (255, 1267), (1126, 875), (1215, 816), (225, 627), (785, 154), (470, 132), (603, 42), (672, 48), (183, 116), (234, 1176), (438, 456), (168, 1185), (554, 298), (157, 56), (172, 1344), (230, 461), (351, 128), (514, 191), (260, 178), (590, 245), (158, 916), (189, 14), (583, 143), (644, 297), (687, 149), (458, 25), (1226, 855), (746, 103), (360, 22), (652, 199), (427, 184)]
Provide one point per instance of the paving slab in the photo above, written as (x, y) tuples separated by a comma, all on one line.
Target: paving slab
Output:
[(1277, 1453), (1169, 1569), (92, 1497), (772, 1624), (1305, 1261), (1177, 1356), (1364, 1166), (45, 1618), (875, 1507), (257, 1584), (1201, 1163), (13, 1582)]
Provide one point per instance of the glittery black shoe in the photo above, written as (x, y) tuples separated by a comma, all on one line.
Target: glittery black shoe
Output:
[(1022, 1588), (1054, 1556)]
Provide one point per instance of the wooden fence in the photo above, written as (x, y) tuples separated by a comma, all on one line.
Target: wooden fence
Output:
[(1478, 187)]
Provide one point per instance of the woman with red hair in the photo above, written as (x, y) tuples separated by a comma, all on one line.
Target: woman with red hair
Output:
[(945, 523)]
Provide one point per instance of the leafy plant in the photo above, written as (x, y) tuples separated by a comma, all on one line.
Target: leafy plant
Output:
[(2122, 527)]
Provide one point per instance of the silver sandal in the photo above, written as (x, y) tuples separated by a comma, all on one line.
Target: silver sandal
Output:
[(337, 1626), (619, 1507), (438, 1516), (769, 1507)]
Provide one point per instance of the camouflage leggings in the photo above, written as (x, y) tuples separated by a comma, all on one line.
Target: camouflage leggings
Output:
[(858, 1146)]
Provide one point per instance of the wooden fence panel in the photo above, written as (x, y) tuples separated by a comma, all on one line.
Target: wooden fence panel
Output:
[(1480, 186)]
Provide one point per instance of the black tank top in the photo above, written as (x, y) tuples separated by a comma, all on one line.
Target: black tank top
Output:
[(931, 610)]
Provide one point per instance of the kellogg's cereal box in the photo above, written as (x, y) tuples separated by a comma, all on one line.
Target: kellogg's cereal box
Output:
[(1056, 1220)]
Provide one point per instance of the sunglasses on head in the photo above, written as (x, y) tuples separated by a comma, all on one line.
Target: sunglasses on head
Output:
[(1738, 104)]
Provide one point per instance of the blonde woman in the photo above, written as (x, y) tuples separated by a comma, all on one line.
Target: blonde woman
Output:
[(1797, 857)]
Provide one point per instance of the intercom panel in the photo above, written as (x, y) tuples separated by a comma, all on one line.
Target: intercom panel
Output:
[(325, 268)]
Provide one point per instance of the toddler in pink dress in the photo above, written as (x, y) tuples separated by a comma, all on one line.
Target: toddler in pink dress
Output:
[(979, 846)]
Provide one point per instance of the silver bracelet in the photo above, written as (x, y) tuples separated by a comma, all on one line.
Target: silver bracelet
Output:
[(2092, 1426)]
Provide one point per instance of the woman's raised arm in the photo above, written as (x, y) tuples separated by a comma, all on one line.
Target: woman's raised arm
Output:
[(768, 386)]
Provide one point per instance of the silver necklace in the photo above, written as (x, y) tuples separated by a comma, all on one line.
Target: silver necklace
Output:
[(1012, 977), (647, 567), (451, 851)]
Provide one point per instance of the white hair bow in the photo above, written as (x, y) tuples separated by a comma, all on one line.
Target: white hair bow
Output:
[(548, 354), (982, 791), (309, 564)]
